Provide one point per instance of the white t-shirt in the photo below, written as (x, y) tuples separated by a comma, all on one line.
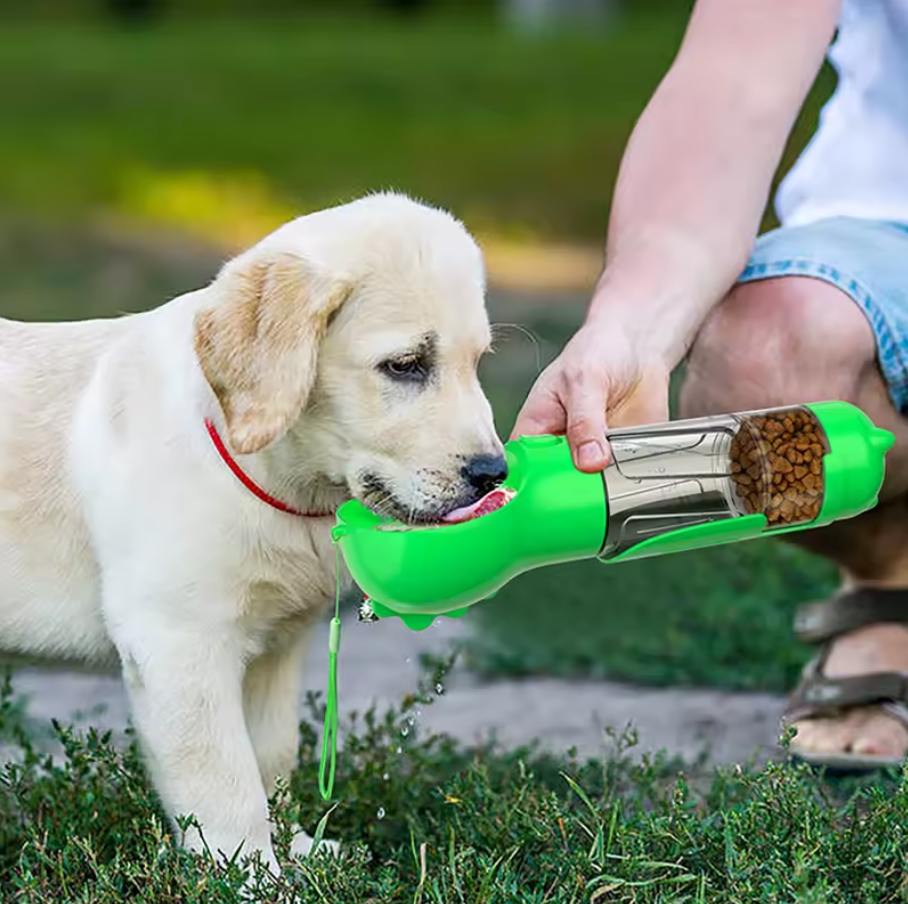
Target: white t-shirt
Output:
[(857, 162)]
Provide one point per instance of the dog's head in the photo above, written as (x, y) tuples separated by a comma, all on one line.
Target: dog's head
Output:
[(354, 335)]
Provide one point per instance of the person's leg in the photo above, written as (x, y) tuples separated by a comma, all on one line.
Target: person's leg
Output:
[(791, 339)]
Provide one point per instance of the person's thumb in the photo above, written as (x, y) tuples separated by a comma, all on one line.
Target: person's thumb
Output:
[(586, 426)]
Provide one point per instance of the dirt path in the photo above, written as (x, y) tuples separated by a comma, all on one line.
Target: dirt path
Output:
[(379, 664)]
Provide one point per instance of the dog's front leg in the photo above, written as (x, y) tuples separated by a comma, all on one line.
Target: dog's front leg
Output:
[(184, 680), (271, 698), (272, 691)]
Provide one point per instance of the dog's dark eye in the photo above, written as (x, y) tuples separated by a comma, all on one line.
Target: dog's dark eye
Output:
[(410, 369)]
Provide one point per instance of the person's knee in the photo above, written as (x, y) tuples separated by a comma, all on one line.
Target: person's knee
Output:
[(778, 342)]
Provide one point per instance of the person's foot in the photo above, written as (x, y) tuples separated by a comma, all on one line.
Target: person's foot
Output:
[(862, 730)]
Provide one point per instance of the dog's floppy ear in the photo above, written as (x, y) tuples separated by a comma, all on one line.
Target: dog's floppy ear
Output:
[(258, 344)]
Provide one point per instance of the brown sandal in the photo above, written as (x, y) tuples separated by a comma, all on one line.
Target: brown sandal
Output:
[(818, 696)]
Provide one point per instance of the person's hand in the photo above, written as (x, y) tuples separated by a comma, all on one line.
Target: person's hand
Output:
[(602, 379)]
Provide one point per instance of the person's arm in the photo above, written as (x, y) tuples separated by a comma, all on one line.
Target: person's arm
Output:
[(687, 207), (697, 171)]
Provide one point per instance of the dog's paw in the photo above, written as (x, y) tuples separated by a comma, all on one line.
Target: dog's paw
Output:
[(302, 846)]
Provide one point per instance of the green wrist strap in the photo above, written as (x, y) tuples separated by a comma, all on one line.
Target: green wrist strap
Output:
[(329, 734)]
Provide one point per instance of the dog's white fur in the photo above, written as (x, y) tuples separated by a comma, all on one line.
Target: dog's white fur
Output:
[(125, 541)]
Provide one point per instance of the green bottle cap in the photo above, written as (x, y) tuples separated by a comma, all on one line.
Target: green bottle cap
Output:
[(855, 465)]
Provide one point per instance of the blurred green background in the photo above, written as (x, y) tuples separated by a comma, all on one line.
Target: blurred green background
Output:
[(140, 142)]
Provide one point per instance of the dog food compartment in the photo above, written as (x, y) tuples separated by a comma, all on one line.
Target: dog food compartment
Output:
[(672, 476), (777, 465)]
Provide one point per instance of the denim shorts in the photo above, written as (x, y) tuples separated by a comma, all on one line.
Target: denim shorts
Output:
[(868, 261)]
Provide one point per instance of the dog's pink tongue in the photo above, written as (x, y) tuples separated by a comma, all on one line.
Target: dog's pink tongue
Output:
[(489, 503)]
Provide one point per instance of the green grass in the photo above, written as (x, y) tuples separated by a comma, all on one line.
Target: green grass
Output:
[(518, 135), (435, 823), (717, 618)]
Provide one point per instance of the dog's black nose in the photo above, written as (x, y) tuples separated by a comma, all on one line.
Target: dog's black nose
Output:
[(485, 472)]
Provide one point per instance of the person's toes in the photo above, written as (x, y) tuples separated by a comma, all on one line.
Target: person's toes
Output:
[(863, 732), (880, 735), (824, 735)]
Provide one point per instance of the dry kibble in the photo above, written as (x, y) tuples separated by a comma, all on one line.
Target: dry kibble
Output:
[(776, 466)]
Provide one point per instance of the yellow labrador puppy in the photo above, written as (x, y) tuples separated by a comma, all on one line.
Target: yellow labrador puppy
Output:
[(168, 480)]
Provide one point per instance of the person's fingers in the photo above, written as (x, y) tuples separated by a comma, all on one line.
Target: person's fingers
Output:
[(647, 403), (542, 412), (586, 424), (530, 423), (641, 410)]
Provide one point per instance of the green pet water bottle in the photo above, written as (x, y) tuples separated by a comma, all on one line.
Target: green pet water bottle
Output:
[(668, 488)]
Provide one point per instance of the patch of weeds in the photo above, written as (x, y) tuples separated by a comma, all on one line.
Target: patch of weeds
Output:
[(430, 822)]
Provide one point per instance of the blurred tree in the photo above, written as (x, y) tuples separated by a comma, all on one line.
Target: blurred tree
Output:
[(135, 11)]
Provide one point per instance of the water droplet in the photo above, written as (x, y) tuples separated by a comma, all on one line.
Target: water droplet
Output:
[(381, 813), (408, 659), (439, 688)]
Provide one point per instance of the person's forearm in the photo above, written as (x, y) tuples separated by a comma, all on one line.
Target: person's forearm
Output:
[(697, 172)]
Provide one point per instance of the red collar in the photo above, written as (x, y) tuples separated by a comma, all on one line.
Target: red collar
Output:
[(249, 483)]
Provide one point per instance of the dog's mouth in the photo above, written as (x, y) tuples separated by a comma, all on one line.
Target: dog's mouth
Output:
[(491, 502), (378, 498)]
